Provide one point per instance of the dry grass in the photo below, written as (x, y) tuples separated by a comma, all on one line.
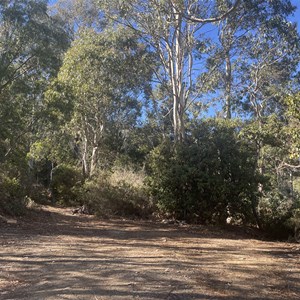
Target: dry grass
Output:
[(130, 177)]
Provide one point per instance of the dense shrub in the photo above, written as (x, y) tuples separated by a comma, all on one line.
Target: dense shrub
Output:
[(12, 196), (66, 185), (39, 194), (207, 179), (279, 213)]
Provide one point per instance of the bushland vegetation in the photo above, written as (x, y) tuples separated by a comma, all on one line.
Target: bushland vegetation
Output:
[(187, 110)]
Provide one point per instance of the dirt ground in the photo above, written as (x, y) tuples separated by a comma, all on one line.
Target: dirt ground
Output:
[(54, 255)]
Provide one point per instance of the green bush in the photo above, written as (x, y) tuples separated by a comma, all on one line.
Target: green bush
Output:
[(295, 219), (12, 196), (279, 213), (208, 179), (66, 185), (39, 193)]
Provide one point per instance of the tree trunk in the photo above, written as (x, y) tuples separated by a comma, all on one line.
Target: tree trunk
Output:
[(255, 213), (177, 79), (228, 86), (85, 171), (93, 160), (260, 168)]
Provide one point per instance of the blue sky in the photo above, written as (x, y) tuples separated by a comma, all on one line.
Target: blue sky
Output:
[(295, 18)]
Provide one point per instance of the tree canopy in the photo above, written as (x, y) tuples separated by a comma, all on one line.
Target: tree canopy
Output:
[(199, 98)]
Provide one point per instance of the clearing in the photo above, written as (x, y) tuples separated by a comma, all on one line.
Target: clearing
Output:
[(55, 255)]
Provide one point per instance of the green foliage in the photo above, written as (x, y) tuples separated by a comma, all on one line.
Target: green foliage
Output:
[(208, 180), (277, 158), (38, 193), (66, 185), (59, 105), (294, 221), (94, 98), (31, 42), (14, 180), (31, 48), (12, 196), (278, 213), (97, 109), (292, 114)]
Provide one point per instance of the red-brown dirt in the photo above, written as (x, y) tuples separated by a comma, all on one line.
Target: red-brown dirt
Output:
[(55, 255)]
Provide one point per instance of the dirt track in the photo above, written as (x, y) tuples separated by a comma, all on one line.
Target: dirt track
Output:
[(60, 256)]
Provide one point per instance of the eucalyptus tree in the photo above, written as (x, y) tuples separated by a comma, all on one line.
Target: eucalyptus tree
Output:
[(268, 64), (30, 40), (287, 156), (78, 14), (175, 31), (31, 48), (256, 57), (105, 74), (271, 61), (252, 26), (293, 116)]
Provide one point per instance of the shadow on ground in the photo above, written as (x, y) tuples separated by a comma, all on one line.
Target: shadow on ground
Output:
[(54, 255)]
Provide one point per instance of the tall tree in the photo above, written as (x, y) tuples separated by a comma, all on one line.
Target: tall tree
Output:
[(174, 29), (30, 40), (31, 48), (254, 25), (105, 74)]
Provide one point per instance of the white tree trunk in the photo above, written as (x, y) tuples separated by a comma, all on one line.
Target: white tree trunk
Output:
[(85, 170)]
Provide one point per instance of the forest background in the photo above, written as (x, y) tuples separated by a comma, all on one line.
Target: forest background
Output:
[(182, 109)]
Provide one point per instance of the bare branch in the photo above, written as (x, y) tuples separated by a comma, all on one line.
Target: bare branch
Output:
[(285, 165), (215, 19)]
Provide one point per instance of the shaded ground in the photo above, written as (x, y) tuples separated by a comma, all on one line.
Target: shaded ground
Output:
[(55, 255)]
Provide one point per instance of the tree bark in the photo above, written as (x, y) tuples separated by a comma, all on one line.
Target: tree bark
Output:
[(85, 171), (228, 86), (177, 75)]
